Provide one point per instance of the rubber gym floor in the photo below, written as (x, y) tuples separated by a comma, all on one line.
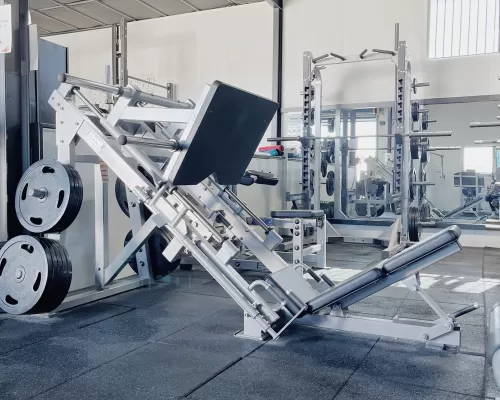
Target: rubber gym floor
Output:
[(175, 340)]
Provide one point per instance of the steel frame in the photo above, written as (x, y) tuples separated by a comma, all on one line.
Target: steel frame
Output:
[(189, 213)]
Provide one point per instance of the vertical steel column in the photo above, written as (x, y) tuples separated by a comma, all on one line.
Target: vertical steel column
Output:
[(402, 131), (115, 55), (307, 115), (101, 220), (343, 142), (14, 128), (123, 76), (318, 92), (337, 196)]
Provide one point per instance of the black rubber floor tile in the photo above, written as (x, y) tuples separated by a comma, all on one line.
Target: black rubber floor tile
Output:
[(414, 364), (419, 309), (260, 379), (36, 368), (210, 288), (450, 296), (19, 331), (193, 304), (492, 389), (375, 389), (142, 297), (215, 334), (301, 346), (143, 325), (377, 305), (156, 371)]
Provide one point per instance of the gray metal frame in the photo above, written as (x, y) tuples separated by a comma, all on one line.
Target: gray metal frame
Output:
[(189, 214)]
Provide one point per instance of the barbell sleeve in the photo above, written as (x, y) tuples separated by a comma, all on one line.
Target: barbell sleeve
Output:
[(442, 148), (486, 141), (123, 91), (484, 124), (155, 143), (431, 134)]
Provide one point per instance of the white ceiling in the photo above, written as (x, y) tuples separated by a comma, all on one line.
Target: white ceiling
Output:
[(62, 16)]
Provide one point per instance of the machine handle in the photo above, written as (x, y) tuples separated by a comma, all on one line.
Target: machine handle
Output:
[(465, 310), (392, 53), (246, 181), (338, 56), (261, 180)]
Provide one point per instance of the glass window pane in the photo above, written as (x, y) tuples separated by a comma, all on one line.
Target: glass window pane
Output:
[(479, 159)]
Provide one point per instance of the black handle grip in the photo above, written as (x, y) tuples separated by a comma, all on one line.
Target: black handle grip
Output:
[(247, 181), (266, 181), (465, 310)]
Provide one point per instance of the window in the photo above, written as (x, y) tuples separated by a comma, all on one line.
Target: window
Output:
[(479, 159), (463, 27), (365, 145)]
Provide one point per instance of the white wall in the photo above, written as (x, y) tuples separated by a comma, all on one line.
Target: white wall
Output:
[(348, 27), (232, 44)]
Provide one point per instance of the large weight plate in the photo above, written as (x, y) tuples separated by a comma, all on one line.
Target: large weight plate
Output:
[(324, 166), (414, 228), (35, 275), (330, 183), (159, 264), (121, 193), (60, 195)]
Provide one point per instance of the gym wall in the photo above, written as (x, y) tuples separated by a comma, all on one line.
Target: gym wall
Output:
[(348, 27)]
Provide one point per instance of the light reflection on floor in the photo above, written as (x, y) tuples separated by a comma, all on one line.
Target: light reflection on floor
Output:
[(427, 281)]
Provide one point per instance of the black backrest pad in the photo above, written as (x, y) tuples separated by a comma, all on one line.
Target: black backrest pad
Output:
[(419, 250), (230, 131)]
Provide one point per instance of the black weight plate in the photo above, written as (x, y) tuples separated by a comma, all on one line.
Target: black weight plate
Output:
[(59, 279), (425, 121), (121, 193), (330, 183), (414, 224), (380, 211), (159, 264), (62, 191), (414, 148), (424, 153), (311, 181), (331, 151), (32, 277), (380, 190), (425, 211), (413, 178), (414, 111), (324, 167)]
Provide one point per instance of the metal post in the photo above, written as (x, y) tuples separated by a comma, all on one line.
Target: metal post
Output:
[(123, 76), (101, 226), (12, 122), (115, 54), (306, 132), (317, 143), (337, 196), (342, 143)]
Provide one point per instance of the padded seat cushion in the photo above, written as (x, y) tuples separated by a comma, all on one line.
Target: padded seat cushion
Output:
[(297, 214)]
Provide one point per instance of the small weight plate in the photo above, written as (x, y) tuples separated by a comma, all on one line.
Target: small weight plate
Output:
[(423, 189), (414, 148), (330, 183), (311, 181), (424, 153), (330, 152), (425, 121), (414, 111), (48, 197), (35, 275), (324, 167), (414, 228), (413, 178), (159, 264)]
